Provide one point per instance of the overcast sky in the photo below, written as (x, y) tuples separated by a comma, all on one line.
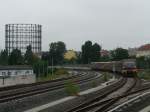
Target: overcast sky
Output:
[(111, 23)]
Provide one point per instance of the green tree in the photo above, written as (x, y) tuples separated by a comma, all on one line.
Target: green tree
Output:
[(35, 59), (28, 57), (143, 62), (119, 54), (15, 58), (79, 58), (40, 68), (90, 52), (4, 57), (56, 52), (96, 48), (87, 52), (45, 56), (105, 58)]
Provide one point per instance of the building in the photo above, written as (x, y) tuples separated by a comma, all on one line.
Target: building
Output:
[(104, 53), (14, 75), (132, 51), (16, 70), (19, 36), (144, 50)]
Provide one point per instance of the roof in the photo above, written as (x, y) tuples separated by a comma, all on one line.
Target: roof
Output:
[(16, 67), (104, 52), (145, 47)]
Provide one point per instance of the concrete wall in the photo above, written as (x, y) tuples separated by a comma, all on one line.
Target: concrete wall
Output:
[(15, 72)]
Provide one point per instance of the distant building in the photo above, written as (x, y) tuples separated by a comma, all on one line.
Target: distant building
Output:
[(15, 70), (132, 51), (19, 36), (104, 53), (144, 50)]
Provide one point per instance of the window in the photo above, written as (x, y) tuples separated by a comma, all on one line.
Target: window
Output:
[(27, 72), (3, 73), (16, 73), (9, 73)]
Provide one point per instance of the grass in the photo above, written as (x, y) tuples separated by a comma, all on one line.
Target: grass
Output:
[(144, 74), (106, 76), (59, 73), (94, 83), (47, 78), (72, 88)]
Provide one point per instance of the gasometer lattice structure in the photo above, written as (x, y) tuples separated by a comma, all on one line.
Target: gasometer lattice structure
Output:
[(19, 36)]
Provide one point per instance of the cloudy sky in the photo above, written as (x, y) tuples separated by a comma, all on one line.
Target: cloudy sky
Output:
[(111, 23)]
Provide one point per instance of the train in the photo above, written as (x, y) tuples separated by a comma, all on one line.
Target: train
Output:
[(126, 67)]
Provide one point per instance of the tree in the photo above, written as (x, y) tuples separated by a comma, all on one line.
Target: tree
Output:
[(119, 54), (56, 52), (15, 57), (35, 58), (79, 57), (4, 57), (90, 52), (29, 55), (70, 57), (96, 52), (87, 52), (105, 58), (143, 62), (45, 56), (40, 68)]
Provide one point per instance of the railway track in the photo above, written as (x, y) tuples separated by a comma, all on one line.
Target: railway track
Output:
[(102, 103), (17, 93), (39, 83), (106, 106)]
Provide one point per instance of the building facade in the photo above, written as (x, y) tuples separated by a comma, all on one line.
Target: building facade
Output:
[(104, 53), (19, 36), (132, 51), (144, 50), (15, 70)]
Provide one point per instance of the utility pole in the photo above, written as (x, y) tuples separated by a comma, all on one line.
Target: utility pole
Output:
[(43, 69), (3, 80), (47, 68), (52, 65), (114, 69)]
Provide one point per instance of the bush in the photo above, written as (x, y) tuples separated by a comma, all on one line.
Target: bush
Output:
[(61, 72), (106, 76), (71, 88), (143, 62), (94, 84), (144, 74)]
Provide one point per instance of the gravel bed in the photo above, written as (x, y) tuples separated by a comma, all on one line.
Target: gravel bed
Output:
[(63, 107), (37, 100), (136, 106)]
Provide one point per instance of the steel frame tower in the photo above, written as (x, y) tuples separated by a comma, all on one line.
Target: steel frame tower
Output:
[(19, 36)]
